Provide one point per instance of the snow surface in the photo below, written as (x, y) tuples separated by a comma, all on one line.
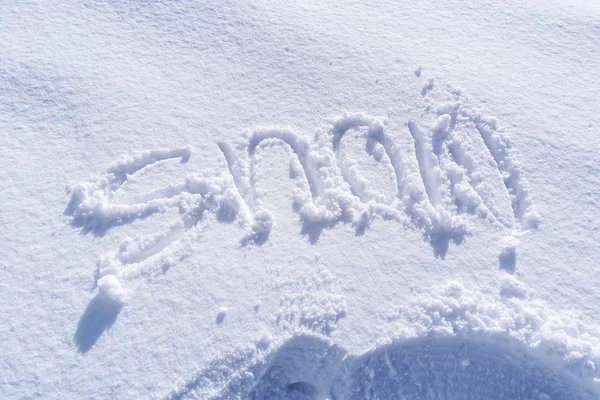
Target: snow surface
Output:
[(304, 200)]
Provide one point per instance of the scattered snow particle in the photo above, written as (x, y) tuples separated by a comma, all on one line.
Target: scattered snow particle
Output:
[(455, 90), (260, 229), (221, 315), (454, 289), (418, 71), (315, 306)]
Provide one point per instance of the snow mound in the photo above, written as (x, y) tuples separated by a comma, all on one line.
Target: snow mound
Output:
[(110, 286)]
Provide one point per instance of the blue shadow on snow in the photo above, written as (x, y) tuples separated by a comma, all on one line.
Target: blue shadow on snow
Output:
[(99, 315)]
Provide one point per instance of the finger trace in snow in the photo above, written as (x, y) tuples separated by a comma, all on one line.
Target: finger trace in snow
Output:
[(376, 130), (300, 147), (448, 342), (499, 145), (428, 165), (519, 192), (433, 180), (122, 168), (93, 206), (433, 198)]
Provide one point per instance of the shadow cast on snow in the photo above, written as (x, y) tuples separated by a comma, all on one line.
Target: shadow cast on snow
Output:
[(508, 261), (440, 242), (99, 316), (481, 366)]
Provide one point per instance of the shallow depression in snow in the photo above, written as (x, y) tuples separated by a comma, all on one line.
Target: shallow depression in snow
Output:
[(449, 343), (434, 367), (455, 368)]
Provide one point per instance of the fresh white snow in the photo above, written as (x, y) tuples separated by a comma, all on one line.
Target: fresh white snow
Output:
[(303, 200)]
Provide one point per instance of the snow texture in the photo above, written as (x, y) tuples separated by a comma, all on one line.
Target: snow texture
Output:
[(299, 200)]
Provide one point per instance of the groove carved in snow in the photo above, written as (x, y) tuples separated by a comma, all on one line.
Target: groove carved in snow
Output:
[(459, 168)]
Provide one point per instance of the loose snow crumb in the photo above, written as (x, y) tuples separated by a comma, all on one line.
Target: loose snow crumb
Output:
[(418, 71), (110, 286), (295, 168), (531, 219), (261, 227), (508, 254), (263, 222), (221, 314)]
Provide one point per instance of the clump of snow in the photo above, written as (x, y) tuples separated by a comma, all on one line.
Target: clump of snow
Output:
[(295, 170), (418, 71), (221, 315), (110, 286), (531, 218), (442, 124), (262, 225)]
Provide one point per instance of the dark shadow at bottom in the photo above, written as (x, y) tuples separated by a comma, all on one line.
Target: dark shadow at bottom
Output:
[(479, 366)]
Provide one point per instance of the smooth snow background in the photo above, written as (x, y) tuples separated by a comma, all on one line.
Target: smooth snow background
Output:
[(84, 84)]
